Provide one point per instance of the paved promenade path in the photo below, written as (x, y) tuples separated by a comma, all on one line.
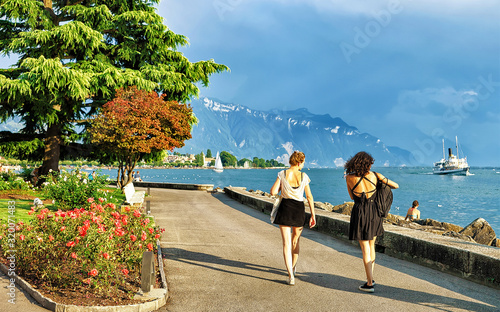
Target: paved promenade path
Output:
[(224, 256)]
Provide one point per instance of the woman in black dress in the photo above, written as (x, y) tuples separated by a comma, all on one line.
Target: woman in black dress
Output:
[(365, 224), (291, 214)]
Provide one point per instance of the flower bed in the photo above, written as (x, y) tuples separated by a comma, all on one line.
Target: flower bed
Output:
[(95, 250)]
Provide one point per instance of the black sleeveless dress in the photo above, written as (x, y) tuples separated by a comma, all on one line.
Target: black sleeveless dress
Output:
[(365, 222)]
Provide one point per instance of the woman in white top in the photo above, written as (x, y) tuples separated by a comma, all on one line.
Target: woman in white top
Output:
[(291, 215)]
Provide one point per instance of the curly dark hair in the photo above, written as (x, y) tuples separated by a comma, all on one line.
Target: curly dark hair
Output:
[(359, 164)]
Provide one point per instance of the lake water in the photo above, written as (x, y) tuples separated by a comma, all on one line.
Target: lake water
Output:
[(454, 199)]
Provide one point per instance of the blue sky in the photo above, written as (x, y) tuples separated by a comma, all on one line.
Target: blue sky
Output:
[(408, 72)]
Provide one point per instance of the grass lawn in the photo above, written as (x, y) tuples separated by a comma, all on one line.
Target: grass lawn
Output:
[(21, 209)]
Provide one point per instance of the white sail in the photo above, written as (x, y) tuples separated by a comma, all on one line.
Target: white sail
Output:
[(218, 164)]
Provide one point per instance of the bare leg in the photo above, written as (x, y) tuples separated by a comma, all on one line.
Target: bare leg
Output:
[(372, 253), (286, 236), (296, 232), (367, 261)]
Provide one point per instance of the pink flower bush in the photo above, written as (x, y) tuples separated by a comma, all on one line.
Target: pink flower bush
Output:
[(95, 246)]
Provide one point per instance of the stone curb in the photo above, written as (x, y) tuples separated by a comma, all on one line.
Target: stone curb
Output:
[(159, 300), (177, 186), (474, 262)]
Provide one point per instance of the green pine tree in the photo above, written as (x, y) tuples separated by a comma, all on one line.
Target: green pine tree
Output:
[(74, 54)]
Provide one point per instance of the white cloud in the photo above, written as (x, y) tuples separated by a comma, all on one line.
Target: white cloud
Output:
[(339, 162)]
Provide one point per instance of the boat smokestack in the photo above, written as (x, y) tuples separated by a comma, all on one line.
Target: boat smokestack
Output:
[(449, 152)]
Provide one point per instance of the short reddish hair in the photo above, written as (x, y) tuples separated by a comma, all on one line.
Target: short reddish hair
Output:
[(297, 158)]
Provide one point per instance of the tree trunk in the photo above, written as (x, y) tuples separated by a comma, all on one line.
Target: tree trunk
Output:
[(52, 150), (130, 165), (118, 175)]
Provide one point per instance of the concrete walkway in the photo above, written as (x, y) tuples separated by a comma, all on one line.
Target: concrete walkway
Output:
[(221, 255), (21, 301)]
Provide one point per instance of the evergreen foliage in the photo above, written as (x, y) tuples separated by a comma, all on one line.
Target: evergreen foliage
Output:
[(74, 54), (227, 159)]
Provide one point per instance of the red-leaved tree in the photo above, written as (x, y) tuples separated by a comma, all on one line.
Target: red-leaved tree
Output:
[(136, 123)]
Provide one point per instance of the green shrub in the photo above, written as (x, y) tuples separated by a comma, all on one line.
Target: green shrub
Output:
[(70, 190), (9, 181)]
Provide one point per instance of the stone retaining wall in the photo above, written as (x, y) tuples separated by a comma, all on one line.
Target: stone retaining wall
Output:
[(178, 186), (468, 260)]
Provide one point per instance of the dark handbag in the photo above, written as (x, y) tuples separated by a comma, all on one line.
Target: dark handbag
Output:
[(383, 197)]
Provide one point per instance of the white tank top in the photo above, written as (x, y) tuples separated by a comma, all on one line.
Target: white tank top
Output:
[(287, 191)]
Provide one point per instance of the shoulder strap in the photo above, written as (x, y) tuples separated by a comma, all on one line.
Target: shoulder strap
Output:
[(357, 183)]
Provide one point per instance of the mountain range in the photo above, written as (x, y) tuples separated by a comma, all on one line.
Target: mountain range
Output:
[(275, 134)]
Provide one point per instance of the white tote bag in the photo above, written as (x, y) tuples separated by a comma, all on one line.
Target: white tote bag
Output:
[(276, 205)]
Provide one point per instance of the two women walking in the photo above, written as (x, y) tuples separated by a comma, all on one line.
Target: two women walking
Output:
[(365, 223)]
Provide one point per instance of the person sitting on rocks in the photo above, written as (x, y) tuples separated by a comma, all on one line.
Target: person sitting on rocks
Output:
[(413, 213), (137, 176)]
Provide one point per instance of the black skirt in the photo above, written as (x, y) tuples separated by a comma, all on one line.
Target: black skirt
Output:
[(365, 222), (291, 213)]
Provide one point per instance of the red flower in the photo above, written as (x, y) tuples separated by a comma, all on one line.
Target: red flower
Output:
[(51, 238), (127, 208), (21, 237), (31, 212), (70, 244), (90, 200), (101, 199), (137, 213), (157, 236), (150, 246), (125, 271), (119, 232), (87, 281), (151, 230), (133, 238), (73, 255), (144, 236), (83, 231), (62, 228), (93, 272), (105, 255)]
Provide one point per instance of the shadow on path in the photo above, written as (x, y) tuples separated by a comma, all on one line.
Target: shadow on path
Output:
[(207, 261), (326, 280), (424, 299)]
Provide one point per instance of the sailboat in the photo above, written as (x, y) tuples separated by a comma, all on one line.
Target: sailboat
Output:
[(454, 165), (218, 164)]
